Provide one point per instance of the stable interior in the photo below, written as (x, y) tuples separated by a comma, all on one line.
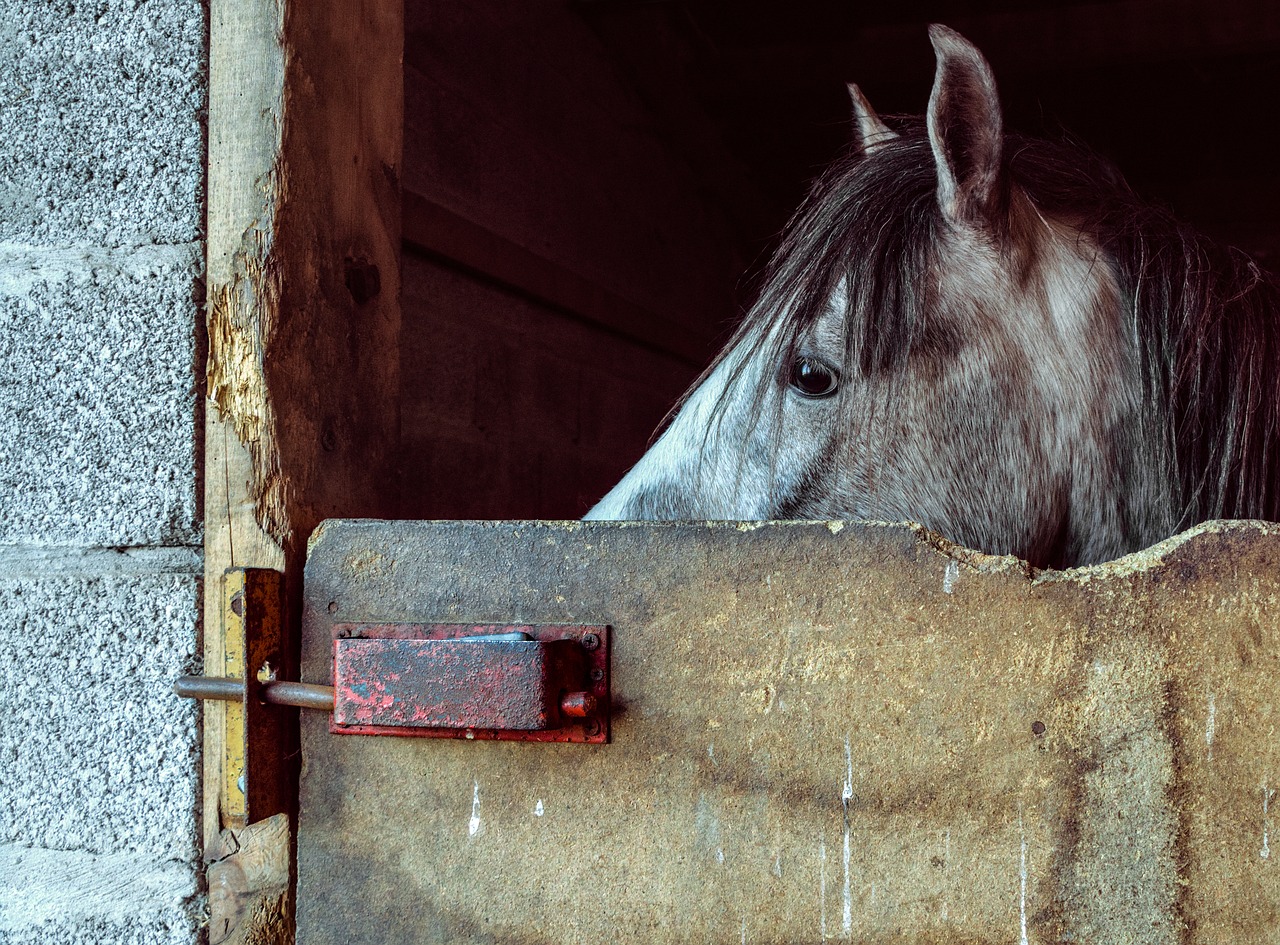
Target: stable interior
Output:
[(589, 189)]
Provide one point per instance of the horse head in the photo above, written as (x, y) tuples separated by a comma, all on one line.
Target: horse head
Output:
[(942, 337)]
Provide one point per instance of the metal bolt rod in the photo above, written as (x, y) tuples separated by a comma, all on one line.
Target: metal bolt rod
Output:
[(303, 695), (311, 696)]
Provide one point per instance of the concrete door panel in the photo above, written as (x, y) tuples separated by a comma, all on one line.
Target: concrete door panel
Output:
[(821, 732)]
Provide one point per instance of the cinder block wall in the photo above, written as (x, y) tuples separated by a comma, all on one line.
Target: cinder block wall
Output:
[(101, 213)]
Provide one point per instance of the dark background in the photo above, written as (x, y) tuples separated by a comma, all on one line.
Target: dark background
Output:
[(1179, 94), (590, 185)]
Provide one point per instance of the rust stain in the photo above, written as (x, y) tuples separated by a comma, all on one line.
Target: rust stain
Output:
[(455, 681)]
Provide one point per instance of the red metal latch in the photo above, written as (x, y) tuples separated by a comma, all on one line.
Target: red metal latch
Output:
[(512, 682), (529, 683)]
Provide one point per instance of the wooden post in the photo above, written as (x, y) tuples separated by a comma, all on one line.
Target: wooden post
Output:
[(305, 124)]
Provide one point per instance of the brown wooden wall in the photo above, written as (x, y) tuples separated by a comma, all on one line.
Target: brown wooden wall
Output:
[(586, 182), (512, 408), (564, 274)]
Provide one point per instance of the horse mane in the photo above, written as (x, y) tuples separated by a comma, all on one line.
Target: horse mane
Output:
[(1207, 322), (1204, 317)]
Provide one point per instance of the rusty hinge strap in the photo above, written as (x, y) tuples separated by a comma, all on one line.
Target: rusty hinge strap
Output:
[(255, 782)]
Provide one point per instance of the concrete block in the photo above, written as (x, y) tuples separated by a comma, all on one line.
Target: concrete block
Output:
[(98, 405), (97, 754), (100, 113)]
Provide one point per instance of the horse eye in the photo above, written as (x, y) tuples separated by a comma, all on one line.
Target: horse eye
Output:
[(813, 378)]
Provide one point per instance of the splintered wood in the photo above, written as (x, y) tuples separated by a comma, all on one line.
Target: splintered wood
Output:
[(303, 324)]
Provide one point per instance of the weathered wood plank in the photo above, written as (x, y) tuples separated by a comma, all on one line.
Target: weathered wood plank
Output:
[(303, 300), (249, 884), (823, 732), (441, 232), (246, 68)]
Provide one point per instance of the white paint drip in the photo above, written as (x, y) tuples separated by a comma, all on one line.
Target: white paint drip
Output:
[(1022, 895), (950, 576), (1265, 852), (474, 825), (707, 827), (744, 930), (777, 865), (846, 795), (1209, 725), (538, 809), (822, 885), (711, 753)]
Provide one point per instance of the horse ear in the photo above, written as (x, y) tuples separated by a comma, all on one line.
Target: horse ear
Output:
[(869, 132), (965, 129)]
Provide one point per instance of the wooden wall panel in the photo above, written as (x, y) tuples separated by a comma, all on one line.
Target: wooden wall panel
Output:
[(512, 408), (303, 313), (537, 179)]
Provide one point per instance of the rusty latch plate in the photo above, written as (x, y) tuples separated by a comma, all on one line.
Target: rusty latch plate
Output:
[(458, 681)]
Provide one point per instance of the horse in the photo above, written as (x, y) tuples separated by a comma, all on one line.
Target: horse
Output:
[(988, 334)]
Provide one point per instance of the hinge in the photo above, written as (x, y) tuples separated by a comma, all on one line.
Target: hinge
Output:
[(258, 736)]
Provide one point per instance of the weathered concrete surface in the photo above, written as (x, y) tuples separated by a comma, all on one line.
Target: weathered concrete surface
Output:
[(56, 895), (101, 217), (823, 732), (100, 114), (76, 651), (98, 396), (97, 755)]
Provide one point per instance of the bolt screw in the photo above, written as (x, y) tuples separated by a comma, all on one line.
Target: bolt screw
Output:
[(592, 727), (590, 641), (597, 674)]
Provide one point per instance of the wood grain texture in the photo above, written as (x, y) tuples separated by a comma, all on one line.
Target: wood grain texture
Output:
[(249, 885), (439, 231), (246, 68), (303, 314)]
